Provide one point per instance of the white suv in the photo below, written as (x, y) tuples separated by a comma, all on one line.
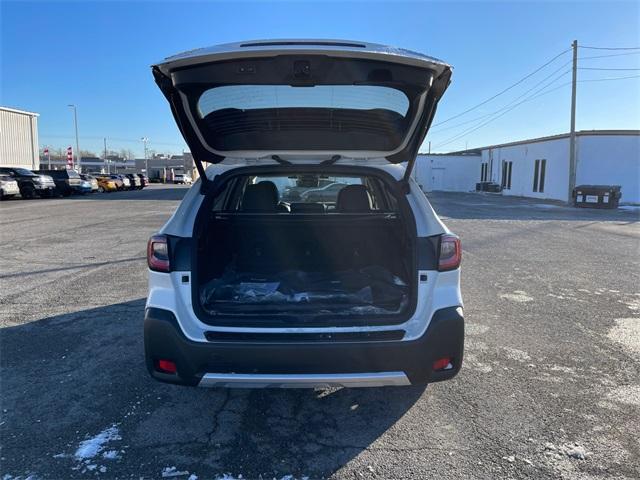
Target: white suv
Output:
[(357, 287), (182, 178)]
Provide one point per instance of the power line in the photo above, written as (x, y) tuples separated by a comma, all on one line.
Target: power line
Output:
[(594, 68), (513, 101), (537, 94), (609, 55), (609, 48), (607, 79), (505, 90)]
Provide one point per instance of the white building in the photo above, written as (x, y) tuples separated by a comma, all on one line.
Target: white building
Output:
[(539, 167), (447, 172), (18, 139)]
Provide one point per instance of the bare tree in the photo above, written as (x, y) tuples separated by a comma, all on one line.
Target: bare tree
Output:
[(126, 153)]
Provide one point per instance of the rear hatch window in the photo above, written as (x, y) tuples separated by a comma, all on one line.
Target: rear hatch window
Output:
[(321, 117)]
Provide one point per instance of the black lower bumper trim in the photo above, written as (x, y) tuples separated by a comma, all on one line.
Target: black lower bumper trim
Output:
[(164, 339)]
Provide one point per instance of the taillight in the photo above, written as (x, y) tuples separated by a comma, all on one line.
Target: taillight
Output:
[(450, 254), (158, 253), (166, 366), (442, 364)]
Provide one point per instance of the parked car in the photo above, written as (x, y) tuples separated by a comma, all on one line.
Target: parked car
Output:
[(106, 184), (292, 193), (84, 187), (144, 179), (67, 181), (8, 187), (182, 178), (136, 182), (30, 184), (118, 181), (328, 193), (126, 182), (246, 290), (93, 182)]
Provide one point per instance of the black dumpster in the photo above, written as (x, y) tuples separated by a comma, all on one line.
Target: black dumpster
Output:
[(597, 196)]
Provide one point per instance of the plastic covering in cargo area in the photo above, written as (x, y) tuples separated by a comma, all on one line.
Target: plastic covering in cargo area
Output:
[(369, 290)]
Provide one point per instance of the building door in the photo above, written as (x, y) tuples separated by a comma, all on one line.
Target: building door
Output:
[(437, 179), (506, 175)]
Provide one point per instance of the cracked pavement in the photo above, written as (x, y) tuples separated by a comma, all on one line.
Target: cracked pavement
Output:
[(551, 370)]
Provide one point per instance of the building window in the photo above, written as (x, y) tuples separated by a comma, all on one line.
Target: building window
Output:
[(539, 170), (484, 172), (506, 175)]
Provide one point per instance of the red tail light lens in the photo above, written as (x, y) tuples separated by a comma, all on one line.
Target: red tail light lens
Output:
[(450, 254), (443, 364), (166, 366), (158, 254)]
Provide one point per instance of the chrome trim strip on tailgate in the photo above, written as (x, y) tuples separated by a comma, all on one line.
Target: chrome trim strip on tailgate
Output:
[(315, 380)]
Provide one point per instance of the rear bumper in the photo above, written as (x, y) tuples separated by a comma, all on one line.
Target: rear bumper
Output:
[(299, 364)]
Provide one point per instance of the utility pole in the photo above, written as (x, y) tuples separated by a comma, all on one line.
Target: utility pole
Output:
[(429, 146), (146, 162), (572, 133), (75, 123), (106, 162)]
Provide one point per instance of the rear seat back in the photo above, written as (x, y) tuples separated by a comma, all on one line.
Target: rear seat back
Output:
[(308, 208)]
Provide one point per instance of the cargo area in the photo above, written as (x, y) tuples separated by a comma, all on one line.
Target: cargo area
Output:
[(319, 254)]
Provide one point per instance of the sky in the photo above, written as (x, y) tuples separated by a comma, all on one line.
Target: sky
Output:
[(97, 55)]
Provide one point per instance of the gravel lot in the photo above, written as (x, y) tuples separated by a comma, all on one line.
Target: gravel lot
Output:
[(550, 386)]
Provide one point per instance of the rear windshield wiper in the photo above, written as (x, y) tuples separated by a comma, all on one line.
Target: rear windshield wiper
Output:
[(329, 161)]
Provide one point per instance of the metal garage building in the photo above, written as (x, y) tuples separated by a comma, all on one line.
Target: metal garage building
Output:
[(19, 138), (539, 167)]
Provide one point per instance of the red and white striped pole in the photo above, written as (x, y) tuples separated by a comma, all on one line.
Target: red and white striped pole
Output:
[(46, 152), (69, 158)]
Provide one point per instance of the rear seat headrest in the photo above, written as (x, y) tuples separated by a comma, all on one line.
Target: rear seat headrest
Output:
[(260, 197), (353, 198)]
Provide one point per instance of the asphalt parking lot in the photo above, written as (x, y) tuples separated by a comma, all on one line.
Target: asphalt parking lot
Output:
[(550, 387)]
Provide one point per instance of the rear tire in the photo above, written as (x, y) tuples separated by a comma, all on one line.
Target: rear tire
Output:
[(28, 192)]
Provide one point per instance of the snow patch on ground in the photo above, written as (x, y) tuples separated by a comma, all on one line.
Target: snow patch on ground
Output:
[(8, 476), (475, 329), (563, 369), (627, 394), (571, 450), (111, 455), (517, 296), (515, 354), (169, 472), (633, 305), (555, 296), (91, 447), (626, 332), (481, 367)]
